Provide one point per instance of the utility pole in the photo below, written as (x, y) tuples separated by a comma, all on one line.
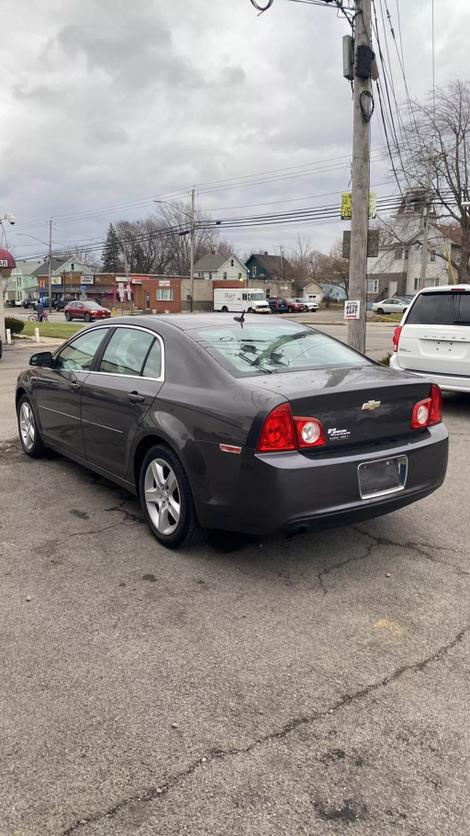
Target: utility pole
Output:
[(191, 246), (362, 112), (426, 208), (49, 284)]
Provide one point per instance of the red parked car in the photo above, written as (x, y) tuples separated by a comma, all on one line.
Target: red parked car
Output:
[(295, 307), (89, 311)]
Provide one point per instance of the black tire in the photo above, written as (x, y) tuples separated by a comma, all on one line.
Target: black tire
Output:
[(224, 309), (381, 311), (32, 318), (87, 317), (250, 310), (187, 531), (36, 447), (68, 317)]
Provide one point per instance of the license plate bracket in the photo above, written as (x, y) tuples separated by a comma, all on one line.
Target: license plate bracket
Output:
[(381, 477)]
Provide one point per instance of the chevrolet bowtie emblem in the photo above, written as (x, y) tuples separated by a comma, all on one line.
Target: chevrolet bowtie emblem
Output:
[(369, 406)]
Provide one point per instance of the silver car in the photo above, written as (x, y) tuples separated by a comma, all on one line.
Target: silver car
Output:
[(393, 305)]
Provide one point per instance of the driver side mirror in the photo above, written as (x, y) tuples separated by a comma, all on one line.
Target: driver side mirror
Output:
[(42, 358)]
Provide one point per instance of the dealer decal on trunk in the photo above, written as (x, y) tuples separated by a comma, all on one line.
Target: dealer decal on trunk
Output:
[(334, 434)]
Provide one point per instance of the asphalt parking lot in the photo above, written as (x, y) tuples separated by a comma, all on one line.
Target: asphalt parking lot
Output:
[(311, 685)]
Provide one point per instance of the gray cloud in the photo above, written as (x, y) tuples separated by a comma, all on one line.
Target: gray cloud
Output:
[(115, 102)]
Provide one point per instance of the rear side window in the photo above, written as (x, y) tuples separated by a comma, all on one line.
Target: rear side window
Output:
[(126, 352), (452, 308), (153, 363)]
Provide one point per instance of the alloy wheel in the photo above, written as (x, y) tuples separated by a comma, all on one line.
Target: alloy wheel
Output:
[(162, 496), (27, 426)]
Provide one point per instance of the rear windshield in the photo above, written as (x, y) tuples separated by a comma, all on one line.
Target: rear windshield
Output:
[(257, 349), (451, 308)]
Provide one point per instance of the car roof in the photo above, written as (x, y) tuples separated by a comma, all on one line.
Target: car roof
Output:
[(191, 322), (445, 288)]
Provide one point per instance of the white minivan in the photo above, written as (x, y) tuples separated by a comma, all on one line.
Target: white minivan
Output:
[(249, 299), (433, 338)]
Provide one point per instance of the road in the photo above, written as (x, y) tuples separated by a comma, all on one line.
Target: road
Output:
[(314, 685)]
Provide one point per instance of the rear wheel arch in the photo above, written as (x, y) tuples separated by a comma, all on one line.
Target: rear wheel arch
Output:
[(141, 450), (19, 394)]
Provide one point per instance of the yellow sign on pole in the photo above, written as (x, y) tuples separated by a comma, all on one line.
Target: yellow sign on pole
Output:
[(346, 205)]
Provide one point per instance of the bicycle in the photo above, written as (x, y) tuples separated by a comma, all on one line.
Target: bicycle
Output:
[(34, 317)]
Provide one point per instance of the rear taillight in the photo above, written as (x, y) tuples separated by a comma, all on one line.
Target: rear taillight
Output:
[(396, 337), (428, 412), (420, 414), (435, 416), (282, 432), (278, 432), (310, 432)]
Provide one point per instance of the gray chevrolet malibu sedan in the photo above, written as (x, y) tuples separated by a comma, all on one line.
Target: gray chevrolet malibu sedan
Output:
[(222, 422)]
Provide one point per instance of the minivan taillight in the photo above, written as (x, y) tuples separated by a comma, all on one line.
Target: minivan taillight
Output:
[(281, 432), (396, 337), (428, 412)]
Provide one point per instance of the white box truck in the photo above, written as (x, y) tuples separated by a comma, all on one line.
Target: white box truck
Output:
[(248, 299)]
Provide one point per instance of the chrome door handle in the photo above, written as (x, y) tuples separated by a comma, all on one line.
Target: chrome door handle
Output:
[(135, 397)]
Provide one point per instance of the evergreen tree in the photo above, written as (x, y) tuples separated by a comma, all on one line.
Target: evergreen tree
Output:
[(112, 262)]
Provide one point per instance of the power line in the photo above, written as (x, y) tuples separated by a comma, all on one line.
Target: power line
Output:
[(304, 215)]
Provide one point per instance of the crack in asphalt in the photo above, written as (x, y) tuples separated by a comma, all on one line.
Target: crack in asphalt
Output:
[(128, 515), (335, 566), (152, 793), (128, 518), (425, 550)]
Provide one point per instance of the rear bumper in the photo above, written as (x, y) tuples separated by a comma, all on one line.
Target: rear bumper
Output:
[(448, 382), (290, 491)]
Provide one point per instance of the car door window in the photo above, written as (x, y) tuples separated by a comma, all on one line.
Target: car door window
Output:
[(153, 363), (126, 352), (79, 354)]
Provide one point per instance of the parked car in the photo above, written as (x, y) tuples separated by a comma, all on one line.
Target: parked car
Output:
[(433, 338), (256, 426), (392, 305), (294, 307), (29, 303), (277, 304), (308, 304), (59, 304), (85, 310)]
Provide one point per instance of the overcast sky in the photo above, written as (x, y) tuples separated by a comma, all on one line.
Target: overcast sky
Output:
[(107, 104)]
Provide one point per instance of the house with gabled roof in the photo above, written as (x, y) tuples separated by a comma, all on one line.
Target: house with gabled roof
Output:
[(220, 268)]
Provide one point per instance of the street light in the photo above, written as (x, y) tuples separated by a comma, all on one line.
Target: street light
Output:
[(49, 281), (191, 238)]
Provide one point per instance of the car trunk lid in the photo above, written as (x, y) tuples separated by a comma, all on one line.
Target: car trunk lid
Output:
[(355, 405)]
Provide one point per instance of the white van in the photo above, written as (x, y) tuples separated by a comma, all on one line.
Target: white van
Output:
[(249, 299), (433, 338)]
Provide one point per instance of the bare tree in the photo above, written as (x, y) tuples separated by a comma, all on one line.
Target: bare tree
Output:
[(304, 262), (434, 157), (161, 242), (333, 268)]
